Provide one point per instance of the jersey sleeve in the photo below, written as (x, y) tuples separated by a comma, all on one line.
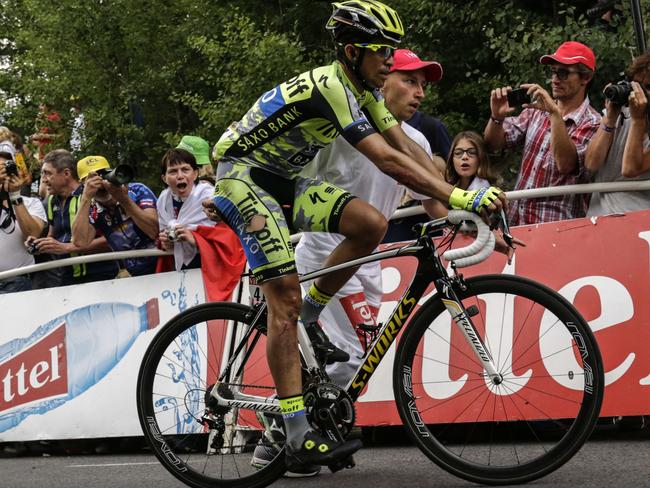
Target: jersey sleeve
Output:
[(377, 113), (337, 103)]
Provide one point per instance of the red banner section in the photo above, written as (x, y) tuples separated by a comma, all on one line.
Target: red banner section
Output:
[(600, 265)]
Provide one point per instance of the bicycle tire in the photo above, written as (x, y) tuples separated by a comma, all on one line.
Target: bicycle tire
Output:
[(171, 399), (540, 415)]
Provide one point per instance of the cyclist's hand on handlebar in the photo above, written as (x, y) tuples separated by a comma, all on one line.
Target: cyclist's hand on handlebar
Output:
[(491, 199)]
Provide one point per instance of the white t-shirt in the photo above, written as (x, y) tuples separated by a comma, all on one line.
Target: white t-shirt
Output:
[(344, 166), (13, 253)]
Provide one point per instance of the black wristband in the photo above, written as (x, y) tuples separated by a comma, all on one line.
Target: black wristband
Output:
[(496, 121)]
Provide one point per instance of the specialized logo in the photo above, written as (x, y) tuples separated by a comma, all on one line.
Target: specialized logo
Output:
[(37, 373), (383, 342), (460, 317)]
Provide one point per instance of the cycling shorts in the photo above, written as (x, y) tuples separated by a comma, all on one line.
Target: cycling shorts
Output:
[(243, 193)]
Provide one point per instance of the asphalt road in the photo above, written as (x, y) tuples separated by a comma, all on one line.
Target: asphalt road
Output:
[(612, 459)]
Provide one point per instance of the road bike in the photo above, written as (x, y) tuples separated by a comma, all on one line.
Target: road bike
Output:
[(497, 379)]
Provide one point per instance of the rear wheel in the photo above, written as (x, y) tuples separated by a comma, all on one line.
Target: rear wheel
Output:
[(529, 424), (200, 442)]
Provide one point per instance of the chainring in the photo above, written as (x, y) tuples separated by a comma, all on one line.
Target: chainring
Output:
[(330, 409)]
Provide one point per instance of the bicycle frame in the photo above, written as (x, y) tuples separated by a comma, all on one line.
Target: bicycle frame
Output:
[(429, 269)]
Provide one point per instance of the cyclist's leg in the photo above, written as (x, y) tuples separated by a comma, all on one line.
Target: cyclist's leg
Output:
[(322, 207), (258, 220), (357, 302), (362, 225)]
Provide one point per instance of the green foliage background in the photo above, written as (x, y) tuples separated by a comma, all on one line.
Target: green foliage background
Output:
[(147, 72)]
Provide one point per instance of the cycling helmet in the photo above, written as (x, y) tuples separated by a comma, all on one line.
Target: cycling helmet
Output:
[(365, 21)]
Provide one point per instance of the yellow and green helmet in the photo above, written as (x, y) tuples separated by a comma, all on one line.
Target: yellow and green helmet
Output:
[(365, 21)]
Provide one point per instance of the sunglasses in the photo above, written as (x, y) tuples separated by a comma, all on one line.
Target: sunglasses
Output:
[(471, 152), (561, 73), (382, 50)]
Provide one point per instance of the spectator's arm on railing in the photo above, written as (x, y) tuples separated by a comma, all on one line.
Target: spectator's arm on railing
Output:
[(636, 159)]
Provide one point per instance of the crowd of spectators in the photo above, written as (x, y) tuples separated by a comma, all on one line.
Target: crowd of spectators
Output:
[(80, 209)]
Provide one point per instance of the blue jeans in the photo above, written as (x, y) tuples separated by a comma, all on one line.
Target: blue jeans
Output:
[(19, 283)]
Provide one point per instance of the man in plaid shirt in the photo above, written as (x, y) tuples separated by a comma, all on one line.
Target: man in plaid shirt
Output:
[(555, 131)]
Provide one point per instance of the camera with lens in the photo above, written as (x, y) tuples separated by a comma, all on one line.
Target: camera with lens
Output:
[(121, 175), (11, 168), (619, 93), (172, 235)]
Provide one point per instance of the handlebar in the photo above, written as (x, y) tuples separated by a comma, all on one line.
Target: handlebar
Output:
[(477, 251)]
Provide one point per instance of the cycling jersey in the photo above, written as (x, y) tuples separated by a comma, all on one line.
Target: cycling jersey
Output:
[(287, 125)]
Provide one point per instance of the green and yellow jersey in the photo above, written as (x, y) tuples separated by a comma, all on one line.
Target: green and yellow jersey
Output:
[(287, 125)]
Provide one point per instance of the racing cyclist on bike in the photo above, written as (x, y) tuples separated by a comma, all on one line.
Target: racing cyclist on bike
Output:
[(261, 196)]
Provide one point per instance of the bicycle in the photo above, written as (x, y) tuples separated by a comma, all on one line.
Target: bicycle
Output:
[(522, 368)]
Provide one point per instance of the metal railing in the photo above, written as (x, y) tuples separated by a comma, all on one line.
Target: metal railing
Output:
[(399, 214)]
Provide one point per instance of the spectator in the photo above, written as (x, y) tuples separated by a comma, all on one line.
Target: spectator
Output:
[(20, 218), (125, 215), (620, 150), (468, 168), (179, 207), (554, 130), (59, 174), (434, 132), (200, 149), (433, 129)]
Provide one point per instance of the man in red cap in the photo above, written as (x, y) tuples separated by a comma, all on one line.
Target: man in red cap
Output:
[(434, 130), (555, 129)]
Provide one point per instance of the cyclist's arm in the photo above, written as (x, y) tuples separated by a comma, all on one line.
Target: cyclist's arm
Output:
[(421, 176)]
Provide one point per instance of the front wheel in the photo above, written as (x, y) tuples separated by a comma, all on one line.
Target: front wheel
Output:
[(536, 418), (199, 441)]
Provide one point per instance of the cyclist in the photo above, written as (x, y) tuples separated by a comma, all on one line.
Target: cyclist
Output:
[(260, 194)]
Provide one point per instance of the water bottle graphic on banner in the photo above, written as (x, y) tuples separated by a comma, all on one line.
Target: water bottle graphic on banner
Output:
[(64, 357)]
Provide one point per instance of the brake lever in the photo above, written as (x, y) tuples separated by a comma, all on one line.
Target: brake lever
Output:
[(500, 221)]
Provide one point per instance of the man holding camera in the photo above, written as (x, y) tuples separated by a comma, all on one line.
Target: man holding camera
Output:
[(124, 212), (620, 150), (555, 129), (59, 175), (20, 218)]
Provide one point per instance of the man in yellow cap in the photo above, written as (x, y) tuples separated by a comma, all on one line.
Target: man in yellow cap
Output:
[(124, 212)]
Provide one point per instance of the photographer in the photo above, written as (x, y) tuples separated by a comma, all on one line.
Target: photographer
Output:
[(554, 129), (20, 218), (124, 212), (619, 150)]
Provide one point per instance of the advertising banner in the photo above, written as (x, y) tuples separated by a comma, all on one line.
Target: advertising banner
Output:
[(69, 357)]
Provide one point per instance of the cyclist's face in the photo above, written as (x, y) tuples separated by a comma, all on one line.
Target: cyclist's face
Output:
[(404, 91), (180, 178), (375, 67)]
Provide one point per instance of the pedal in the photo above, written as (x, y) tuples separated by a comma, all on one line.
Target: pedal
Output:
[(348, 463)]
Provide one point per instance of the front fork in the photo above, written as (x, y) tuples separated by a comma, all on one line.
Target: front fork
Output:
[(446, 288)]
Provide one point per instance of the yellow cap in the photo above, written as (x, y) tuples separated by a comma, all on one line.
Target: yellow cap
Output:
[(91, 163)]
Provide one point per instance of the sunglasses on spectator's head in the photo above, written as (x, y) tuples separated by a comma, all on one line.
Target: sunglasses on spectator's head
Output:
[(382, 50), (561, 73)]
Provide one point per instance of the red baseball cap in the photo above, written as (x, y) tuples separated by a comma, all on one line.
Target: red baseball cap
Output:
[(571, 52), (405, 60)]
